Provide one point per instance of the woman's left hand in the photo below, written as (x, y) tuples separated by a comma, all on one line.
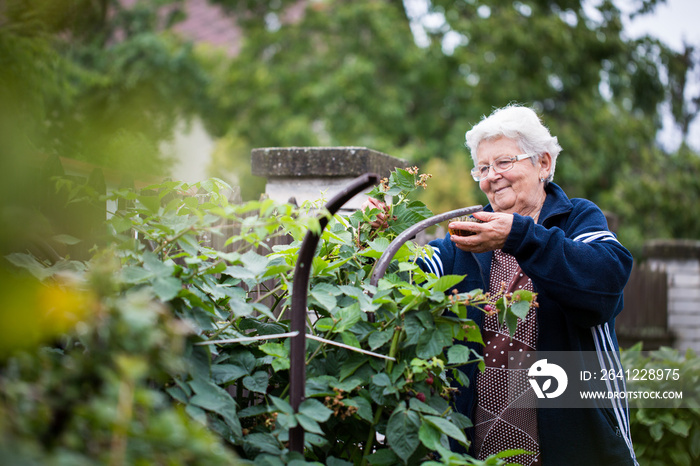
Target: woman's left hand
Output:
[(490, 235)]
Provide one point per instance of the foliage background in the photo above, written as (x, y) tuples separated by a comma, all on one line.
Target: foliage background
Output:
[(100, 82), (107, 82)]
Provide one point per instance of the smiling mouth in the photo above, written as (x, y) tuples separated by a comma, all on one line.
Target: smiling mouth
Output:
[(500, 189)]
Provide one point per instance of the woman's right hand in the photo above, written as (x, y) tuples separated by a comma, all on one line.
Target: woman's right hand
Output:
[(372, 203)]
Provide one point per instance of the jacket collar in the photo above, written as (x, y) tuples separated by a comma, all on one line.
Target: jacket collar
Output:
[(556, 203)]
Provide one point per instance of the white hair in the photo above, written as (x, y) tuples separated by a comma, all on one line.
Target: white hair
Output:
[(522, 125)]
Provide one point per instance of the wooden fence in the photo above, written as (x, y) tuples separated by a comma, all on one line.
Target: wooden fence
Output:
[(645, 314)]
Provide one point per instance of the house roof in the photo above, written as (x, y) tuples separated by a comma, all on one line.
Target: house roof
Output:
[(206, 23)]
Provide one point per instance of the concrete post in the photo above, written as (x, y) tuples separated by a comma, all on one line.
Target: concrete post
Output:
[(313, 173)]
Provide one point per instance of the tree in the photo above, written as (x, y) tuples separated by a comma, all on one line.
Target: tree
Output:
[(351, 73), (78, 82), (104, 88)]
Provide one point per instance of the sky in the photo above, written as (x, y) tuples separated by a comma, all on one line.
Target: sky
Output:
[(675, 22), (672, 22)]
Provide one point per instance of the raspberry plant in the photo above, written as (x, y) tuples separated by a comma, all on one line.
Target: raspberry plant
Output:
[(378, 391)]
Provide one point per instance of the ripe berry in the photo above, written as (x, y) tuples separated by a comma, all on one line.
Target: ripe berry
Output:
[(421, 397)]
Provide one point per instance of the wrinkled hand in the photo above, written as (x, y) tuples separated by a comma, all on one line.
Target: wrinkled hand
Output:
[(372, 203), (490, 235)]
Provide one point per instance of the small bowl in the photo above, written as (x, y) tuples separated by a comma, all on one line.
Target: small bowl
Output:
[(464, 218)]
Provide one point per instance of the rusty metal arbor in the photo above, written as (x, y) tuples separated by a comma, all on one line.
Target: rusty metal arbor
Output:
[(300, 285), (409, 233), (300, 289)]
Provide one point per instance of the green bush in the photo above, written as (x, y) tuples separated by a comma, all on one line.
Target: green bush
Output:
[(174, 334), (668, 434)]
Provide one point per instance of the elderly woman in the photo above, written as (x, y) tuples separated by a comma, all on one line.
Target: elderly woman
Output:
[(534, 237)]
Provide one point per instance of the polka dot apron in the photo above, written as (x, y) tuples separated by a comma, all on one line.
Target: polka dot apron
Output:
[(506, 416)]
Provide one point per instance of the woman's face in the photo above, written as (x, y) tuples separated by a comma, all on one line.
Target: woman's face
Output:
[(518, 190)]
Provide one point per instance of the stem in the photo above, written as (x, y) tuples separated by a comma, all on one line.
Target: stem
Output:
[(327, 337), (271, 293), (389, 366), (172, 240)]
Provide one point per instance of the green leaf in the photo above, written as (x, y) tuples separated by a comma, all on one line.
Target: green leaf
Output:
[(381, 379), (309, 424), (278, 350), (460, 377), (430, 344), (520, 309), (324, 297), (255, 263), (287, 421), (28, 262), (236, 271), (379, 338), (217, 400), (351, 365), (695, 442), (511, 321), (319, 265), (324, 324), (282, 405), (280, 364), (680, 457), (413, 328), (402, 432), (680, 427), (263, 442), (225, 373), (332, 461), (189, 245), (348, 317), (166, 288), (407, 266), (473, 333), (446, 282), (154, 264), (347, 385), (458, 354), (66, 239), (379, 245), (350, 339), (135, 275), (417, 405), (177, 393), (315, 410), (120, 224), (460, 420), (656, 431), (364, 408), (403, 179), (511, 452), (447, 428), (257, 382), (150, 203), (217, 268), (383, 457), (429, 436)]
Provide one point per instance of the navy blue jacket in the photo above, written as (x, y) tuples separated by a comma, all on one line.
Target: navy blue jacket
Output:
[(578, 270)]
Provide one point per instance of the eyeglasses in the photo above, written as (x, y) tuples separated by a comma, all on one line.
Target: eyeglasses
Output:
[(500, 165)]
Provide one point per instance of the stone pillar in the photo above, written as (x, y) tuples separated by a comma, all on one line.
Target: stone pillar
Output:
[(681, 261), (313, 173)]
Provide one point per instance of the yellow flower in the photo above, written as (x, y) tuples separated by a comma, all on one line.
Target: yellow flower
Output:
[(32, 313)]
